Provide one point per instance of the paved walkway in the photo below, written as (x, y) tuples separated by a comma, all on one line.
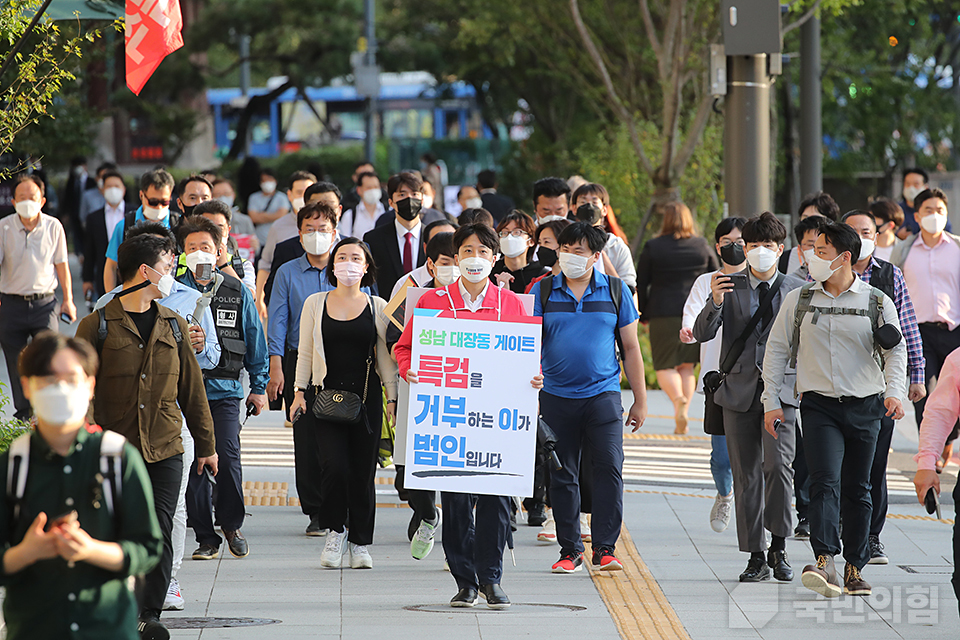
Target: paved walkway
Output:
[(680, 579)]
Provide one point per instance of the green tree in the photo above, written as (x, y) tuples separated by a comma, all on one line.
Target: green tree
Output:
[(38, 60)]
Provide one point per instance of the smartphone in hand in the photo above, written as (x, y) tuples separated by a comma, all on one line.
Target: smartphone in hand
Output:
[(932, 502), (65, 318), (59, 521)]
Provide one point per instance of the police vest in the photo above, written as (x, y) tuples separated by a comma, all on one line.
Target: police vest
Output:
[(227, 309)]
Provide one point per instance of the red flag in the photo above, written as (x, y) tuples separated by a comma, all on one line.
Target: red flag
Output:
[(152, 33)]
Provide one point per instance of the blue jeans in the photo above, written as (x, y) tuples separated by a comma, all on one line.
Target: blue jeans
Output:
[(720, 465)]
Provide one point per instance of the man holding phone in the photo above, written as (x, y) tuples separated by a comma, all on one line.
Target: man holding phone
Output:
[(149, 382), (745, 304), (939, 416)]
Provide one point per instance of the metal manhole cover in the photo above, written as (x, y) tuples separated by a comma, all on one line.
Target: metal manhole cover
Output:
[(481, 608), (927, 569), (215, 623)]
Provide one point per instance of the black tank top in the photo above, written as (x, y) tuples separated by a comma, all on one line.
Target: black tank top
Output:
[(346, 344)]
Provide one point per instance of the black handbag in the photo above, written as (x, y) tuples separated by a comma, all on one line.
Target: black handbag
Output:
[(712, 412), (344, 407)]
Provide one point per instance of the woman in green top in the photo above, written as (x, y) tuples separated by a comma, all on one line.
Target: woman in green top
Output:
[(72, 540)]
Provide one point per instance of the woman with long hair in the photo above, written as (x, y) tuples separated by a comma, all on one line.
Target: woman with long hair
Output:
[(667, 269)]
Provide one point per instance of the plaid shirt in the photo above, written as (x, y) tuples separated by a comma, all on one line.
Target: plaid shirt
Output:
[(908, 321)]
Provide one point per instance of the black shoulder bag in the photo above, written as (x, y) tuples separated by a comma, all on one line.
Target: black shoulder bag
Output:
[(713, 413), (345, 407)]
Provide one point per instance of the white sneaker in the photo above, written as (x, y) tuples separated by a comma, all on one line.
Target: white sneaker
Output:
[(585, 534), (720, 513), (332, 554), (359, 557), (173, 600), (549, 531)]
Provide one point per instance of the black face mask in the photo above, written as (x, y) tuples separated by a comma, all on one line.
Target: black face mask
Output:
[(733, 254), (188, 211), (547, 257), (589, 213), (409, 208)]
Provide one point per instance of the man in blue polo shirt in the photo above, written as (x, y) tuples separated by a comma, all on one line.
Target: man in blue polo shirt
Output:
[(582, 325), (156, 190)]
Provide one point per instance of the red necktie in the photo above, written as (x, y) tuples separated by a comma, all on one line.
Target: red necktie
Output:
[(408, 253)]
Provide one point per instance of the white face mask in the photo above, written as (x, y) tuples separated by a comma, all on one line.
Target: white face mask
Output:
[(867, 247), (61, 403), (113, 196), (371, 196), (572, 265), (475, 269), (156, 214), (512, 246), (474, 203), (227, 200), (316, 243), (544, 219), (806, 255), (931, 223), (297, 204), (820, 269), (911, 192), (200, 257), (165, 283), (268, 187), (348, 273), (762, 259), (446, 274), (28, 209)]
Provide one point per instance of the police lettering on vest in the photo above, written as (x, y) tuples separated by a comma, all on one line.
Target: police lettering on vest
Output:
[(227, 309)]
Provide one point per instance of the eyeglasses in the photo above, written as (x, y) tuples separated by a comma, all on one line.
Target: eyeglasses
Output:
[(727, 243), (516, 233), (157, 202)]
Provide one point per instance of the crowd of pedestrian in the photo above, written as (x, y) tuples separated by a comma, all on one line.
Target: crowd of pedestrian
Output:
[(204, 310)]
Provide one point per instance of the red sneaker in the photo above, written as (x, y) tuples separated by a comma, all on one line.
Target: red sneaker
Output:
[(604, 558), (569, 562)]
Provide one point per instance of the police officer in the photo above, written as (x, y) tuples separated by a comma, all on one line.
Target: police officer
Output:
[(242, 345)]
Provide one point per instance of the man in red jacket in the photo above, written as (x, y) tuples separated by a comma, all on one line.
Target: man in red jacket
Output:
[(474, 553)]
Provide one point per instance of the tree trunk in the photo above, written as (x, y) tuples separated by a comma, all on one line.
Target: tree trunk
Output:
[(253, 105), (661, 195)]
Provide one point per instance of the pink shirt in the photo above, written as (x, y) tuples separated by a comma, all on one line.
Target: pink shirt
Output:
[(940, 413), (933, 279)]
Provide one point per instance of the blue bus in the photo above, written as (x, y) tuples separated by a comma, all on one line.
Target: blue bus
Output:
[(411, 106)]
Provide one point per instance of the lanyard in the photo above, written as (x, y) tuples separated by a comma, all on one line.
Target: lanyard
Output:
[(446, 291)]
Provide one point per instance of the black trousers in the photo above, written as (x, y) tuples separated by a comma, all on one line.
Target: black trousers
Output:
[(541, 479), (598, 422), (306, 454), (938, 343), (474, 548), (288, 363), (878, 476), (422, 501), (348, 463), (165, 478), (841, 439), (228, 498), (20, 321)]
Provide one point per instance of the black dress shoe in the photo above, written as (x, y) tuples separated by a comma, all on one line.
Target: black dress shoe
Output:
[(802, 532), (495, 597), (756, 571), (466, 597), (777, 560), (237, 543)]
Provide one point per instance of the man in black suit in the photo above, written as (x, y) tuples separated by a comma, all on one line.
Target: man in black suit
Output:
[(396, 247), (498, 206), (100, 226)]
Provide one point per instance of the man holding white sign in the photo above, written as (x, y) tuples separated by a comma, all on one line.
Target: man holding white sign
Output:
[(474, 551), (586, 316)]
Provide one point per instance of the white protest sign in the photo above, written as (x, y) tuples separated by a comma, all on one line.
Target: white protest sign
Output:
[(472, 416)]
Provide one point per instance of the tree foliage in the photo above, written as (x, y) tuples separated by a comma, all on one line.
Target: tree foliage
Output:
[(37, 73)]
